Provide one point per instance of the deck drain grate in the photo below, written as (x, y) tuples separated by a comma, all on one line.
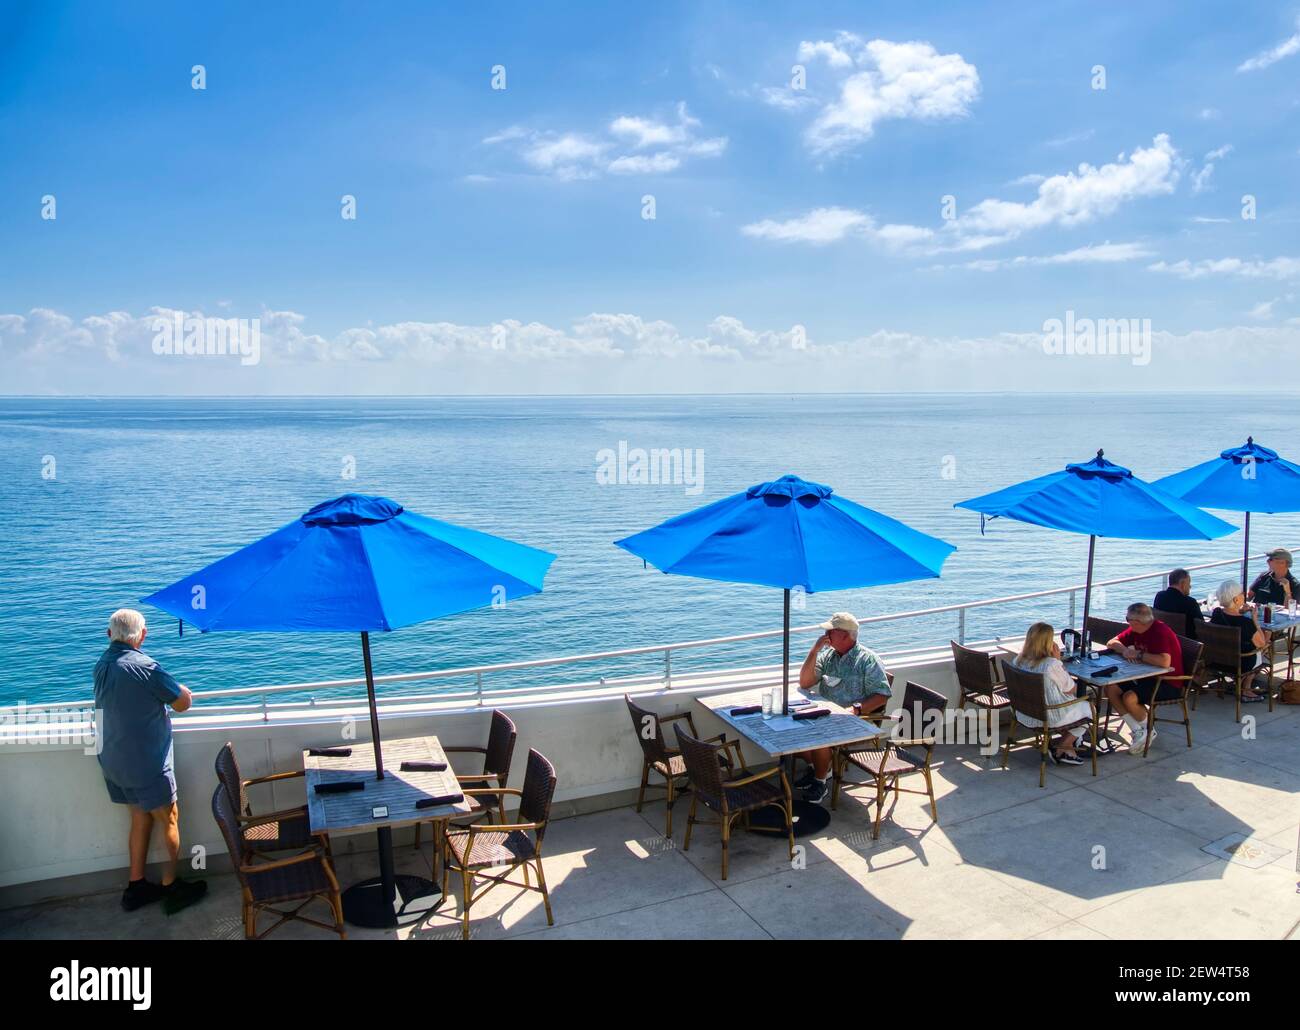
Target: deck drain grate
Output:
[(1240, 849)]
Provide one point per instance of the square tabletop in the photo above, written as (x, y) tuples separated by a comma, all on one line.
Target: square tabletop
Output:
[(1082, 670), (398, 790), (784, 735)]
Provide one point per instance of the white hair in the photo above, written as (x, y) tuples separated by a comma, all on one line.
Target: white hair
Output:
[(125, 626), (1228, 589)]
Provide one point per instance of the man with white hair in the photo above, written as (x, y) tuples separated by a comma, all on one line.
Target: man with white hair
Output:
[(850, 675), (132, 695)]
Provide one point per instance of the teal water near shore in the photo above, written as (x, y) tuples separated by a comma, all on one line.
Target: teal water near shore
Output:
[(104, 501)]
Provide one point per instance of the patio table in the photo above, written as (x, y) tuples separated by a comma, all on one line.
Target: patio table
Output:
[(783, 736), (387, 900)]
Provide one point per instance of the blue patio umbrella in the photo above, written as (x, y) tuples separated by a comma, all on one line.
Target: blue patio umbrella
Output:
[(1100, 498), (1249, 479), (358, 564), (790, 533)]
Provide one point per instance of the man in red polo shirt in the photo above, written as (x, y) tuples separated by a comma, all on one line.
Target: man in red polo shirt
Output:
[(1151, 642)]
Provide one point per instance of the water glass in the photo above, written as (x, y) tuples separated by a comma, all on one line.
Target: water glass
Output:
[(767, 704)]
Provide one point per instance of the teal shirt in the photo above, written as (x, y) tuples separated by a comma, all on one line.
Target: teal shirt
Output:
[(858, 670)]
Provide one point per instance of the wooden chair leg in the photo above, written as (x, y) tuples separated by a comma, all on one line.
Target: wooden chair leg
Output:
[(1046, 742), (546, 895), (672, 796), (726, 840), (881, 790), (929, 788), (690, 823), (645, 780), (417, 835), (466, 892)]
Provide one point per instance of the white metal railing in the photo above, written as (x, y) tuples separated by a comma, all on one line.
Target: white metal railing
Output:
[(209, 702)]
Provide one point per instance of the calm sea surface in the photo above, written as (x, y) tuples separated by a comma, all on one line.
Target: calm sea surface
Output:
[(104, 501)]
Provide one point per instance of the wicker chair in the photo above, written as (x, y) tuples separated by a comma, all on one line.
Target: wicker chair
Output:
[(658, 757), (731, 799), (1222, 663), (288, 829), (887, 760), (267, 883), (1176, 621), (977, 679), (479, 847), (1028, 694), (1103, 630), (497, 756), (1192, 669)]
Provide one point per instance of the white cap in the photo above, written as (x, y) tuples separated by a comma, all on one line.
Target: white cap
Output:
[(842, 620)]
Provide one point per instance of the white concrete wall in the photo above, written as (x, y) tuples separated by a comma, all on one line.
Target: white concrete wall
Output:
[(56, 820)]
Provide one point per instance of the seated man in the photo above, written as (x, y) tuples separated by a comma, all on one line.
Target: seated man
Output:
[(1177, 598), (1277, 585), (848, 674), (1151, 642)]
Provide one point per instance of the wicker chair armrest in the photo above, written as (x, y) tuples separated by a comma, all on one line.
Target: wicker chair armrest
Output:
[(273, 777), (480, 791), (752, 778), (272, 817), (675, 716), (925, 742), (734, 745), (310, 855), (1067, 704), (478, 777), (474, 828)]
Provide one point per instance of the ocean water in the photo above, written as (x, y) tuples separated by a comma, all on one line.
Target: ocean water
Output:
[(104, 501)]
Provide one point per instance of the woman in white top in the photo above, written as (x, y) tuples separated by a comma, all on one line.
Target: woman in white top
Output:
[(1040, 653)]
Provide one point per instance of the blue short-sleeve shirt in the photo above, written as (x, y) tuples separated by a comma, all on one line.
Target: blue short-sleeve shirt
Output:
[(132, 692), (852, 676)]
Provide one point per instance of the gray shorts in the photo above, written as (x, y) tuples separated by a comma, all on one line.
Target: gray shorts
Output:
[(157, 794)]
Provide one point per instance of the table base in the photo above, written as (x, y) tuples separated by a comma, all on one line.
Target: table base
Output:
[(808, 819), (364, 903)]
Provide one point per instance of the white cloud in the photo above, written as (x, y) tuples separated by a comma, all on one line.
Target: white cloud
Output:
[(49, 352), (631, 145), (1275, 268), (831, 224), (1096, 253), (1263, 311), (1288, 47), (1074, 137), (1201, 177), (875, 81)]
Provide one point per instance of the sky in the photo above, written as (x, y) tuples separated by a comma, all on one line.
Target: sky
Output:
[(648, 198)]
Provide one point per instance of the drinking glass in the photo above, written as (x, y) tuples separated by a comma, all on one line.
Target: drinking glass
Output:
[(767, 704)]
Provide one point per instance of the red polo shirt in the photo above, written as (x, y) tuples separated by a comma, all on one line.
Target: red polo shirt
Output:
[(1158, 639)]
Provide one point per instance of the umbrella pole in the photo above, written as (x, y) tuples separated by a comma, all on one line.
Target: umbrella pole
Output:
[(1245, 557), (1087, 588), (785, 659), (374, 712)]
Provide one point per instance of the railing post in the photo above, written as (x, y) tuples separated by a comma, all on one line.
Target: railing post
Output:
[(668, 668), (961, 625), (1071, 609), (478, 687), (266, 715)]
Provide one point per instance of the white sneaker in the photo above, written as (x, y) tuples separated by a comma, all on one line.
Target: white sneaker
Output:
[(1139, 740)]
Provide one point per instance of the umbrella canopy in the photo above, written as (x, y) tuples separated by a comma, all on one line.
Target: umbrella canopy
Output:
[(1100, 498), (790, 533), (355, 564), (1249, 479)]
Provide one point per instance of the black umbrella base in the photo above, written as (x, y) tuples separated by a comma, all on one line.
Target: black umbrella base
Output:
[(364, 903), (808, 819)]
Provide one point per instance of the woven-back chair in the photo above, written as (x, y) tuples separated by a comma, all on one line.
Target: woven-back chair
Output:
[(497, 756), (978, 680), (472, 850), (659, 758), (1223, 659), (1103, 630), (731, 798), (287, 829), (1176, 621), (1027, 692), (1192, 670), (887, 759), (266, 883)]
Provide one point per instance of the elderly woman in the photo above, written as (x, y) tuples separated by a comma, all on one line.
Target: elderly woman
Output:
[(1232, 613), (1040, 653)]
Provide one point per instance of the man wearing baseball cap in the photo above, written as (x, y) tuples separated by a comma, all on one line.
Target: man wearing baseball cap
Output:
[(1277, 585), (849, 675)]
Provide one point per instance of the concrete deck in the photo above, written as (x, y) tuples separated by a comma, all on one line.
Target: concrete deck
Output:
[(1119, 856)]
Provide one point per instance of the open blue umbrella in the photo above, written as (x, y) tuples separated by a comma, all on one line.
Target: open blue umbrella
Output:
[(1247, 479), (1100, 498), (790, 533), (358, 564)]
